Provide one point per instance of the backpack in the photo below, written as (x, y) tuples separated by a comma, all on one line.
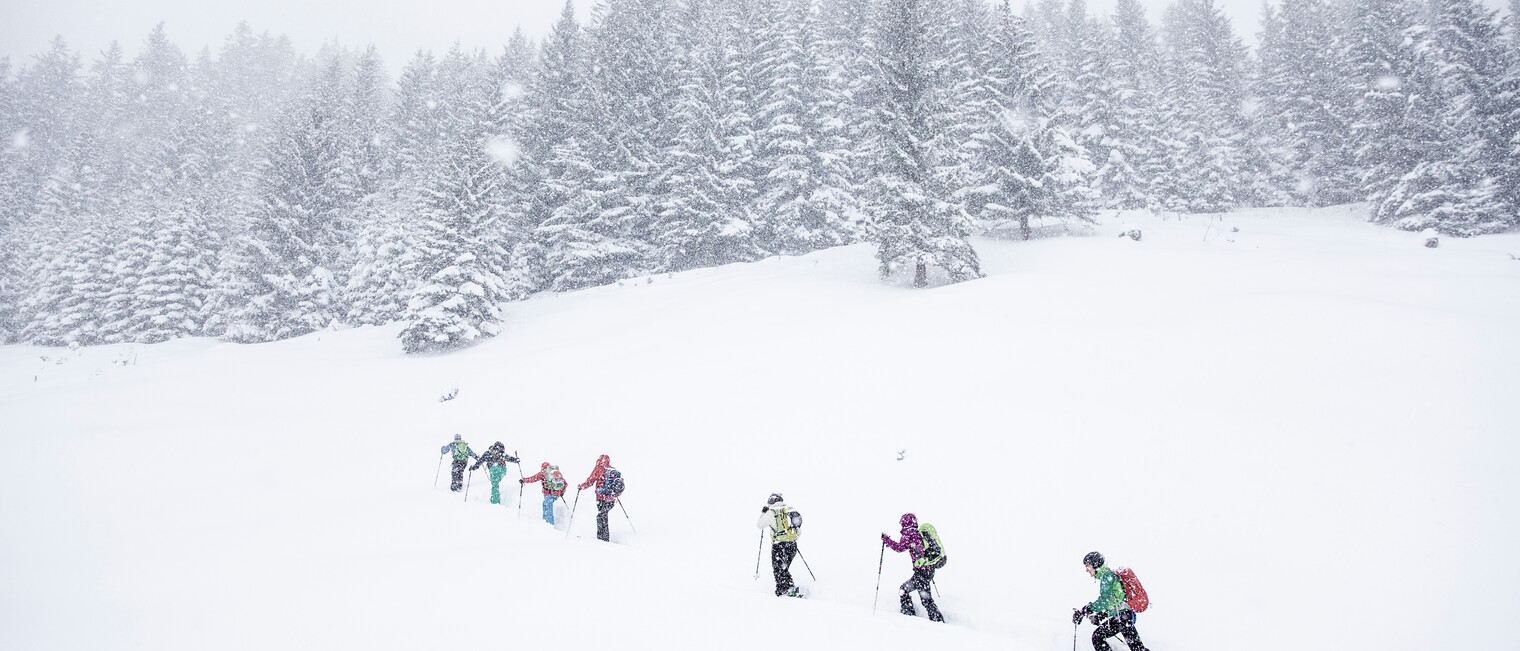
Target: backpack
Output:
[(553, 480), (791, 525), (934, 549), (612, 483), (1134, 593), (461, 450)]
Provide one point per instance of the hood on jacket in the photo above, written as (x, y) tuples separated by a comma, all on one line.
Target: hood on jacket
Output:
[(909, 521), (544, 466), (604, 461)]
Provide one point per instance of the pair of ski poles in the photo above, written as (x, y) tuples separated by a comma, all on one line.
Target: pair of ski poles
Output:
[(759, 552), (577, 504), (879, 562)]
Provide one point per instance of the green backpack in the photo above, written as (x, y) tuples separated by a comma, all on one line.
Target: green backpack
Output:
[(934, 548), (553, 480), (461, 450)]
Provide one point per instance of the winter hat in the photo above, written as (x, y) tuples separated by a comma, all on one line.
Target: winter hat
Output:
[(908, 521), (775, 497), (458, 437), (1094, 559)]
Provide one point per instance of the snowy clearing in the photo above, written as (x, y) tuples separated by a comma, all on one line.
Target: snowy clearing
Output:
[(1298, 428)]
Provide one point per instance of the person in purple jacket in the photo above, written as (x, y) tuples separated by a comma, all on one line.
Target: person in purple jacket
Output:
[(927, 557)]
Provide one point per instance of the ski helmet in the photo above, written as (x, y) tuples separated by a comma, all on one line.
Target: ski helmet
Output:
[(1094, 559), (775, 497), (458, 437)]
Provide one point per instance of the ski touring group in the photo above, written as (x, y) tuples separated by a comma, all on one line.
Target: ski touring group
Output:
[(607, 480), (1113, 614)]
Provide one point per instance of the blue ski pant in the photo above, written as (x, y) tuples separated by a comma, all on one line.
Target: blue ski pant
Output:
[(549, 508)]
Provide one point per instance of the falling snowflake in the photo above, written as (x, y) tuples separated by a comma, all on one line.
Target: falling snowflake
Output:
[(20, 140), (1389, 82), (503, 150), (511, 92)]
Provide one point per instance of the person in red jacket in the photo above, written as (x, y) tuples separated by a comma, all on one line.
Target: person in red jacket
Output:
[(605, 498), (554, 487)]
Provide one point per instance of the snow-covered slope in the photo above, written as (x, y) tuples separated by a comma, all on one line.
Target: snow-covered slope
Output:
[(1299, 429)]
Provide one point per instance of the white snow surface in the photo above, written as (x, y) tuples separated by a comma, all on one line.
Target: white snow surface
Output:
[(1301, 434)]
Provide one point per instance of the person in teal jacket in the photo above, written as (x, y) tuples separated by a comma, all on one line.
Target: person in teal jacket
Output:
[(1109, 611)]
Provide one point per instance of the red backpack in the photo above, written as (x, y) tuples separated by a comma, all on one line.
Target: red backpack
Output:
[(1134, 593)]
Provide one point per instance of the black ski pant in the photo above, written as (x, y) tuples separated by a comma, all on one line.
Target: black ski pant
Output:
[(456, 484), (1123, 625), (603, 532), (923, 582), (781, 563)]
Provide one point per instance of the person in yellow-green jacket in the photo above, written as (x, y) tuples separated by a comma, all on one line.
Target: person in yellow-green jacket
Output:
[(1109, 611), (776, 517), (462, 456)]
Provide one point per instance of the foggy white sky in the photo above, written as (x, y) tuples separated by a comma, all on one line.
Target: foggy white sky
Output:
[(398, 27)]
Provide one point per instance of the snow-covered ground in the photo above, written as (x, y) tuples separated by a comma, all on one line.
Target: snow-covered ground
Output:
[(1298, 428)]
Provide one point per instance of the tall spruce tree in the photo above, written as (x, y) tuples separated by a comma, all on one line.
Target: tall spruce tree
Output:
[(463, 244), (918, 226)]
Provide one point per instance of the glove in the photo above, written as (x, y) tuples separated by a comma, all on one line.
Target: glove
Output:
[(522, 481), (885, 539), (1095, 618), (1076, 615), (511, 459), (765, 509)]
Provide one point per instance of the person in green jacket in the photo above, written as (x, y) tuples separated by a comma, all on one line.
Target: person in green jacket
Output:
[(1109, 611), (495, 460)]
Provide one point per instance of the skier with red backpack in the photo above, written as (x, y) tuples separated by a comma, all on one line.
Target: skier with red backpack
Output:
[(554, 487), (609, 485), (928, 553), (1120, 596)]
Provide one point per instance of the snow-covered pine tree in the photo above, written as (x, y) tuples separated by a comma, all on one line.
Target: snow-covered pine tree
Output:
[(462, 243), (1203, 118), (283, 286), (1031, 172), (791, 214), (701, 219), (846, 30), (917, 226), (1304, 96), (1456, 190), (10, 248), (610, 171), (1120, 176), (1507, 118), (1395, 115)]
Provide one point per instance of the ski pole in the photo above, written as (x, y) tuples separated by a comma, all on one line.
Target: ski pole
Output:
[(1074, 636), (758, 551), (520, 484), (467, 485), (878, 577), (437, 472), (934, 585), (809, 569), (625, 514), (571, 520)]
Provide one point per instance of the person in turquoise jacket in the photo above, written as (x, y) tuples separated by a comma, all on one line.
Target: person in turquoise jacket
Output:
[(1109, 611)]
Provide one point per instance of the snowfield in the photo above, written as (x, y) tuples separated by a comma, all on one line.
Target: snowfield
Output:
[(1301, 430)]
